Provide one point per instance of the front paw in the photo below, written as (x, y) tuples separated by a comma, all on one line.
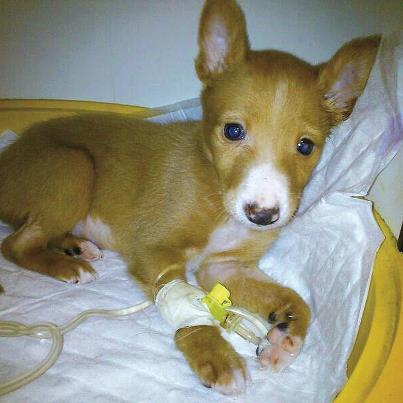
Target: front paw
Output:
[(213, 359), (284, 341), (278, 350)]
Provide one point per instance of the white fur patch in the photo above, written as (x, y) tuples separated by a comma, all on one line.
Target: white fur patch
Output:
[(235, 387), (95, 230), (86, 276), (280, 98), (227, 236), (82, 276), (267, 187)]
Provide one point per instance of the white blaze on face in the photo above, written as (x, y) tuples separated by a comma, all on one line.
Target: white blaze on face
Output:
[(266, 187), (280, 99)]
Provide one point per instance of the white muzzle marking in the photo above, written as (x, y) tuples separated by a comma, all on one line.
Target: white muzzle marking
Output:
[(266, 187)]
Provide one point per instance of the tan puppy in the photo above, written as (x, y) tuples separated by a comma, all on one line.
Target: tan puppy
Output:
[(213, 193)]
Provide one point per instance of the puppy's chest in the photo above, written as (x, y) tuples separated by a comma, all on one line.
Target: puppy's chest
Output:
[(227, 237)]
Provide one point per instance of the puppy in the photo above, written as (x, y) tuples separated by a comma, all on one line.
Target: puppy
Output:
[(214, 192)]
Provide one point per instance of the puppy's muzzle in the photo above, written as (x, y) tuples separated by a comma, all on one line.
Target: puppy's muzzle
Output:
[(261, 215)]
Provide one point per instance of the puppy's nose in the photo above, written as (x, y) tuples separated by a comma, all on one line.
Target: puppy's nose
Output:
[(261, 215)]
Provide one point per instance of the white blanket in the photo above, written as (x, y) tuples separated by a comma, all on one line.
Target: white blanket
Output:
[(326, 254)]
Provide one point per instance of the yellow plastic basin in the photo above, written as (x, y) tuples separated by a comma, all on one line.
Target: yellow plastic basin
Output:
[(375, 367)]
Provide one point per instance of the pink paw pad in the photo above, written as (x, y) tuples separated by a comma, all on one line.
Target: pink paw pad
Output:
[(89, 251), (279, 350), (85, 250)]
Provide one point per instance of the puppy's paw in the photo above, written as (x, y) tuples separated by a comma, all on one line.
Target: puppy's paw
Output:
[(74, 271), (279, 349), (213, 360), (227, 377), (283, 342), (84, 249)]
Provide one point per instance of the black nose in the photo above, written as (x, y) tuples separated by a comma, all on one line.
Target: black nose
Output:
[(260, 215)]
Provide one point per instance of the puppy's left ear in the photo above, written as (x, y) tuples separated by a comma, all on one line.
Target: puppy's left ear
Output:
[(223, 41), (343, 78)]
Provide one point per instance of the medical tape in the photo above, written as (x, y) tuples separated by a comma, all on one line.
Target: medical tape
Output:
[(180, 305)]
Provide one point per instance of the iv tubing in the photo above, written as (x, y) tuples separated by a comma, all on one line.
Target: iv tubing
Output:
[(260, 325), (49, 330)]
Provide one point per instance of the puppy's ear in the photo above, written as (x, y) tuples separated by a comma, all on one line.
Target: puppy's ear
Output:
[(343, 78), (223, 40)]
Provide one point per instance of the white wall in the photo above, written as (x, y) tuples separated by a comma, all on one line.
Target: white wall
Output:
[(142, 51)]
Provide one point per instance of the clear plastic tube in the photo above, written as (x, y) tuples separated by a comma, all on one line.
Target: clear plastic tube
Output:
[(236, 322), (43, 331), (55, 333)]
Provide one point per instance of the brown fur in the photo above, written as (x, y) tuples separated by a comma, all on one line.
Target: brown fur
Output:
[(163, 189)]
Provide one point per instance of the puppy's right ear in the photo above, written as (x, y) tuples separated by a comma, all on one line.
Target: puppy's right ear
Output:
[(223, 41), (343, 78)]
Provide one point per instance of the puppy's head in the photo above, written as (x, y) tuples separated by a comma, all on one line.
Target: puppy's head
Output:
[(266, 114)]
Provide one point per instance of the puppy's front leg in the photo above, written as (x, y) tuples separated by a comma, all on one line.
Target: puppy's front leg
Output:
[(282, 307), (212, 358)]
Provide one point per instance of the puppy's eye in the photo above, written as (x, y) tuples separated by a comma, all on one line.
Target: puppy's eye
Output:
[(234, 131), (305, 146)]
